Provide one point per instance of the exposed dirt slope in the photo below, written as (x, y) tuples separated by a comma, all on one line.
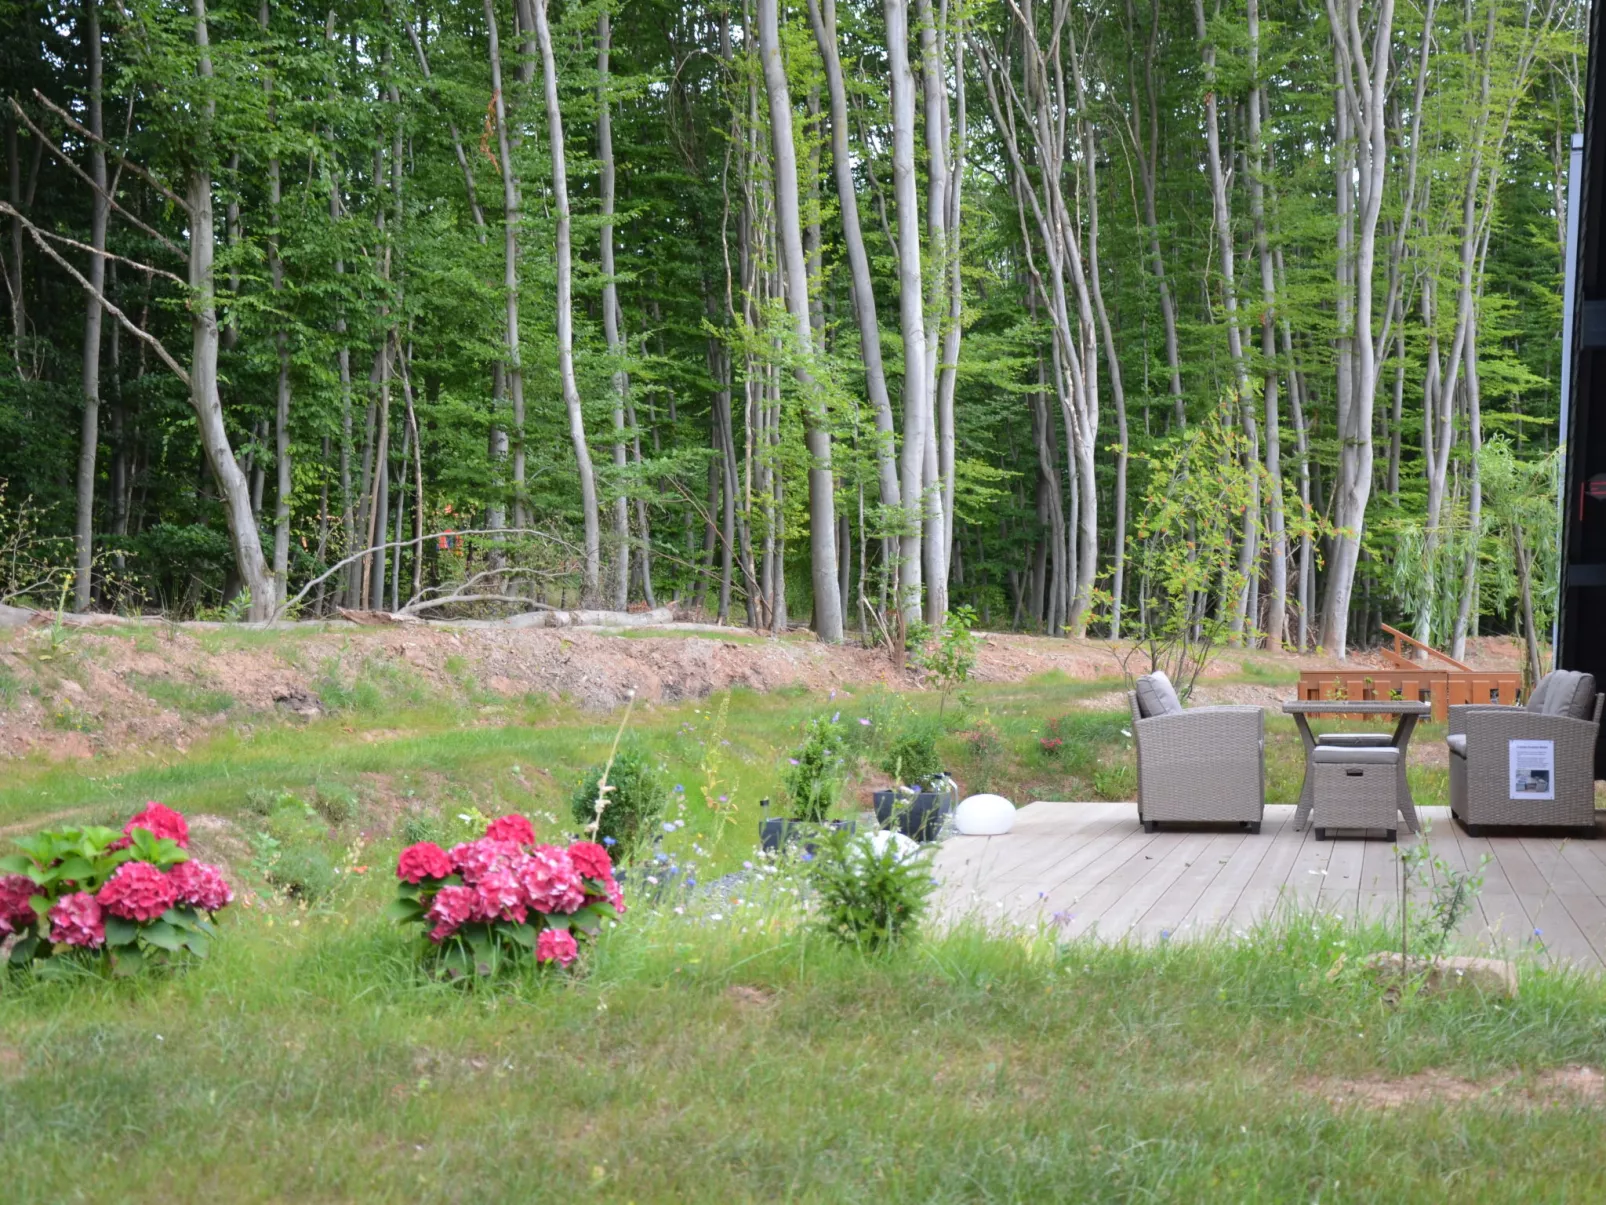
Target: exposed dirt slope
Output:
[(70, 694)]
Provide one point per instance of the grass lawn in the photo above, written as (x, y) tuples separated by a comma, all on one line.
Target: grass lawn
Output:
[(746, 1059), (730, 1053)]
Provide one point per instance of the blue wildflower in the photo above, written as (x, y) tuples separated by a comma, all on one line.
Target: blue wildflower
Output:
[(609, 841)]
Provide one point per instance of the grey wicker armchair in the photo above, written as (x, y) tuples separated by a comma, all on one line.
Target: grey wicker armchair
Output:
[(1565, 710), (1199, 764)]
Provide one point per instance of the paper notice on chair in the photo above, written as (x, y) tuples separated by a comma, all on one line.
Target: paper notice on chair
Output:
[(1532, 773)]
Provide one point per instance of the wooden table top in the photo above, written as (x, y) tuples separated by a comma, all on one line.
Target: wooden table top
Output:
[(1357, 707)]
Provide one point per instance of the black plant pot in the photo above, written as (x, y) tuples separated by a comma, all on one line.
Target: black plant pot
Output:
[(919, 815), (776, 832)]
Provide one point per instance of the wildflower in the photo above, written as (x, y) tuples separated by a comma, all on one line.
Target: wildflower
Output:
[(160, 822), (556, 945), (514, 828), (202, 885), (835, 716), (426, 860), (77, 920), (16, 913), (747, 866), (137, 891), (793, 760), (451, 908), (680, 789), (609, 842), (724, 798), (669, 826)]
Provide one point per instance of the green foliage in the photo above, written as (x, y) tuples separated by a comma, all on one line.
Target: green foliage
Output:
[(1452, 892), (637, 795), (911, 756), (295, 851), (947, 654), (870, 894), (816, 771)]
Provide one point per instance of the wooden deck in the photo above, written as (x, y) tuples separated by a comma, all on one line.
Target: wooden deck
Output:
[(1090, 869)]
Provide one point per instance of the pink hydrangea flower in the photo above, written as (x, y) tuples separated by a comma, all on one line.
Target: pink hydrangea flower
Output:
[(550, 881), (16, 913), (514, 828), (77, 920), (426, 860), (616, 897), (499, 896), (591, 860), (556, 945), (161, 821), (474, 859), (452, 908), (201, 885), (137, 891)]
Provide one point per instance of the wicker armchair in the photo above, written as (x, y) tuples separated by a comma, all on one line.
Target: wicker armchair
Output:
[(1196, 765), (1565, 710)]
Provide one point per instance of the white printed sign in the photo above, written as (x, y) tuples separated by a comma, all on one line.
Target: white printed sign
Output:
[(1532, 773)]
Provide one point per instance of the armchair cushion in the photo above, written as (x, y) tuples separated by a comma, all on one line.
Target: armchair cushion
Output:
[(1564, 692), (1156, 696), (1337, 755)]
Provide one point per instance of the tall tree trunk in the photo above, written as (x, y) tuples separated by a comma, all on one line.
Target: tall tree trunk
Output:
[(281, 343), (1363, 89), (610, 315), (822, 506), (247, 544), (514, 371), (939, 427), (911, 312), (565, 310), (822, 13), (1277, 610), (100, 208)]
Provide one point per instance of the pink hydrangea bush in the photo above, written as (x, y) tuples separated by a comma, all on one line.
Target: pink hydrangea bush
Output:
[(505, 898), (118, 897)]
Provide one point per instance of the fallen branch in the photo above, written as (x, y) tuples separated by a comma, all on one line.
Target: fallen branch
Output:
[(447, 600), (73, 124), (410, 542)]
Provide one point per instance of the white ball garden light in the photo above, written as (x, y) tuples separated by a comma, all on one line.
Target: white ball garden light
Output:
[(985, 816)]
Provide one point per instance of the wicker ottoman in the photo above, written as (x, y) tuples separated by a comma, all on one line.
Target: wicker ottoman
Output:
[(1356, 788)]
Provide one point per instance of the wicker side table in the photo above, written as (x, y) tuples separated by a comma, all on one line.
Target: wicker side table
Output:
[(1355, 788)]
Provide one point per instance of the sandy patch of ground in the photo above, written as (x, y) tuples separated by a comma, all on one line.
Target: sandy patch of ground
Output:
[(1563, 1087)]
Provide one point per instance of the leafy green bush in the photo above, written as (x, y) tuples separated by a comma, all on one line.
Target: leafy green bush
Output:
[(911, 756), (295, 853), (418, 827), (817, 769), (872, 888), (637, 796), (336, 802)]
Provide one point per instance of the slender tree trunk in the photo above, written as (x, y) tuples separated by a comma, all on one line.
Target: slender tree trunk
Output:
[(610, 315), (249, 561), (822, 14), (939, 426), (281, 343), (565, 310), (100, 208), (916, 406), (1277, 611), (822, 508), (513, 375)]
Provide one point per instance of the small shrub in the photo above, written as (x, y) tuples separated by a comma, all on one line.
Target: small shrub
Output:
[(1053, 739), (911, 756), (336, 803), (637, 796), (294, 852), (984, 748), (946, 654), (872, 888), (1114, 783), (419, 827), (109, 900), (813, 780), (503, 899)]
